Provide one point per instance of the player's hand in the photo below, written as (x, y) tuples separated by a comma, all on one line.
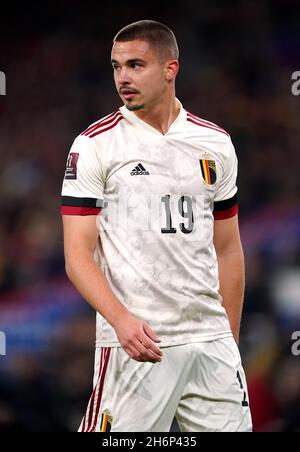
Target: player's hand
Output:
[(137, 339)]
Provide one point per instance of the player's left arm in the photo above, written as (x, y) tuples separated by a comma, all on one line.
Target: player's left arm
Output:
[(231, 269)]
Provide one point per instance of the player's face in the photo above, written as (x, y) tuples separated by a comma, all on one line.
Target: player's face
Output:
[(139, 74)]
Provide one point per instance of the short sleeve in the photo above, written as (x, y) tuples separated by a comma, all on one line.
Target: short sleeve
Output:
[(225, 201), (83, 185)]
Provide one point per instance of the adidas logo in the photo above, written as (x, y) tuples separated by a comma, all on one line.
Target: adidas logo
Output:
[(139, 171)]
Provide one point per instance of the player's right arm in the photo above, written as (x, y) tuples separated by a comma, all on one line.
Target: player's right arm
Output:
[(82, 191), (80, 239)]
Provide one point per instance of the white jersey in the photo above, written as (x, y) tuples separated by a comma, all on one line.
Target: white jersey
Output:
[(156, 197)]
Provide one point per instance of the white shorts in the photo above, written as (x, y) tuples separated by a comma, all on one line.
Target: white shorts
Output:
[(202, 384)]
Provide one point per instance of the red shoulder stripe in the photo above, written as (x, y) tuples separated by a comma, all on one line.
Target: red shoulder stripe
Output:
[(111, 125), (204, 120), (105, 123), (206, 126), (98, 123), (204, 123), (209, 123)]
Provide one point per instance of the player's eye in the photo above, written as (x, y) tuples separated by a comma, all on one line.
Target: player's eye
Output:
[(135, 65), (116, 67)]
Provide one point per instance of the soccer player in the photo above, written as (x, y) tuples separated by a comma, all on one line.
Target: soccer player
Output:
[(149, 205)]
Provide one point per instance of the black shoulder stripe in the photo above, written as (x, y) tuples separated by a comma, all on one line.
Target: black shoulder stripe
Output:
[(81, 202), (225, 205)]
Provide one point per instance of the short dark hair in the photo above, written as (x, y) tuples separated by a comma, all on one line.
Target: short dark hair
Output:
[(157, 34)]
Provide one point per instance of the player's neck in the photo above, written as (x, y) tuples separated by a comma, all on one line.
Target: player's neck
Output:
[(160, 116)]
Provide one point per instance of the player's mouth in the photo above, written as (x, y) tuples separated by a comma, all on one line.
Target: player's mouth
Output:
[(128, 93)]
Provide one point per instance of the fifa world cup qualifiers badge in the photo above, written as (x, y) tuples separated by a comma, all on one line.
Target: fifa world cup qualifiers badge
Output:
[(296, 83), (2, 84), (71, 168)]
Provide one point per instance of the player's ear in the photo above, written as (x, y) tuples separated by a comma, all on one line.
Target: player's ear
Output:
[(171, 69)]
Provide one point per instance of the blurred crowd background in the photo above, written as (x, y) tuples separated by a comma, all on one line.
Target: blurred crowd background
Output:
[(237, 59)]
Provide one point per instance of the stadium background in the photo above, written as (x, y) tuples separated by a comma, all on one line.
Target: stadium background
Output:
[(236, 64)]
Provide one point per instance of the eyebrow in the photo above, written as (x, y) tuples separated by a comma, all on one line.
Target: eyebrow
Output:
[(133, 60)]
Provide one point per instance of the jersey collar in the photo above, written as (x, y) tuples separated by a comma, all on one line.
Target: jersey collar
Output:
[(143, 126)]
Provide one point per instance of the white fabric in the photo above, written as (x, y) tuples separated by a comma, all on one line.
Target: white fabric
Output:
[(170, 280), (196, 382)]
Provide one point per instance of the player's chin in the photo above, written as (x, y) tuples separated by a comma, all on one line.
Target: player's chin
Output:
[(131, 106)]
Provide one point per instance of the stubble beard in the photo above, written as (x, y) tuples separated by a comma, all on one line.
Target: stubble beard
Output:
[(134, 107)]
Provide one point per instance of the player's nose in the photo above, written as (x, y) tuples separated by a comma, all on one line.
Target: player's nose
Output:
[(123, 77)]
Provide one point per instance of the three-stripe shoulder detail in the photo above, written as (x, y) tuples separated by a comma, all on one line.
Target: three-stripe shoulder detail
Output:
[(203, 123), (105, 124)]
